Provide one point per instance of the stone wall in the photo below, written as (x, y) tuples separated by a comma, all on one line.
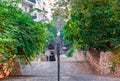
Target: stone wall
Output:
[(79, 55), (5, 71), (107, 66), (16, 71), (94, 61), (100, 62), (106, 63), (117, 70), (103, 65)]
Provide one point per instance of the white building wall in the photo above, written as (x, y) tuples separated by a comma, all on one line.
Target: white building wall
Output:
[(44, 5)]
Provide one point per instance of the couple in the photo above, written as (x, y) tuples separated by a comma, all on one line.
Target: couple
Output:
[(51, 57)]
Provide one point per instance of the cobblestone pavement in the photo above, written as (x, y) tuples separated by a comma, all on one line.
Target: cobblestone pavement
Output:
[(71, 70)]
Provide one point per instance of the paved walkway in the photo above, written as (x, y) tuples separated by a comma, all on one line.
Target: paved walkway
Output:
[(71, 70)]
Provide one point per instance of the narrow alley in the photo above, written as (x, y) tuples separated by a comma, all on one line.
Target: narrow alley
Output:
[(59, 40)]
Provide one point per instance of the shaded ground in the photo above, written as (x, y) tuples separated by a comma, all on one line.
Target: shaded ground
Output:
[(71, 70)]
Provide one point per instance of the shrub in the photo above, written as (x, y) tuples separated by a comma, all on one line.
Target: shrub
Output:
[(70, 52)]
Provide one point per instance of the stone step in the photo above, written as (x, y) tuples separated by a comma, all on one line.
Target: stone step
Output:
[(64, 78), (67, 68)]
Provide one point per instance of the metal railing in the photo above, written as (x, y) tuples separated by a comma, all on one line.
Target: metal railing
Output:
[(33, 1)]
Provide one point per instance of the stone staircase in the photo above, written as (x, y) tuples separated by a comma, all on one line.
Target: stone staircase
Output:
[(70, 70)]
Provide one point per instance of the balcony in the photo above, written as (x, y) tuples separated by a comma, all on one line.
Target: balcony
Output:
[(33, 1)]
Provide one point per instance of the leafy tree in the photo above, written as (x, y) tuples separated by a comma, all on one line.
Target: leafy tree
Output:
[(51, 33), (61, 8), (20, 37), (93, 23)]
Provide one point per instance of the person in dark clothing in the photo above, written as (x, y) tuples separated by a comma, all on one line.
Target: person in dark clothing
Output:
[(47, 58), (52, 56)]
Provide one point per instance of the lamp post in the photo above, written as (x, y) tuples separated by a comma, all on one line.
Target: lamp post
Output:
[(58, 55), (58, 60)]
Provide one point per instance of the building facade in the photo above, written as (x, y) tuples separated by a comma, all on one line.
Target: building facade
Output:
[(41, 9)]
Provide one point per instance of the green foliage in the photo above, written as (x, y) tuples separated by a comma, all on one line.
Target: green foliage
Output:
[(94, 23), (70, 52), (62, 37), (19, 34), (51, 31)]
